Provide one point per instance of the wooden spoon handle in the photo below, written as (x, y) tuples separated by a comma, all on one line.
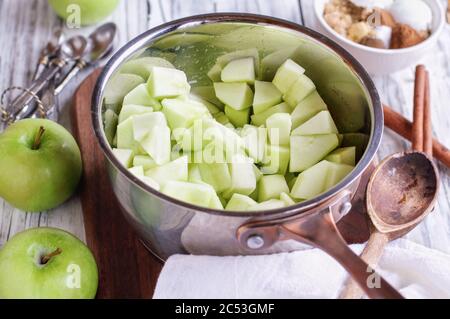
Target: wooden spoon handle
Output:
[(371, 255)]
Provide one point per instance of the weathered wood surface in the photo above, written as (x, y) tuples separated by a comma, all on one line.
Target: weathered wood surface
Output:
[(25, 26)]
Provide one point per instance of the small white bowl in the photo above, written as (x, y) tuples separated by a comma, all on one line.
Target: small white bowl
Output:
[(384, 61)]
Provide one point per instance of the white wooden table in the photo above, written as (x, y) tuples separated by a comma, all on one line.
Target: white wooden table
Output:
[(25, 26)]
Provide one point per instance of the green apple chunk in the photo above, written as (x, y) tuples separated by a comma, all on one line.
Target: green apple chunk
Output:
[(47, 263), (194, 175), (307, 108), (150, 182), (145, 161), (255, 139), (359, 140), (237, 118), (260, 119), (216, 174), (243, 179), (215, 73), (240, 70), (271, 186), (119, 86), (336, 173), (125, 137), (181, 113), (143, 66), (237, 95), (279, 128), (129, 110), (193, 193), (137, 170), (144, 124), (208, 93), (239, 202), (276, 160), (157, 144), (288, 201), (176, 170), (140, 96), (40, 164), (89, 12), (167, 83), (110, 121), (311, 182), (288, 73), (309, 150), (299, 90), (321, 123), (266, 95), (344, 155), (124, 156), (215, 202), (267, 205), (272, 62), (222, 118), (212, 108), (253, 53)]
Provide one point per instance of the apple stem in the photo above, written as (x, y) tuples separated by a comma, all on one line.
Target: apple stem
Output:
[(45, 259), (38, 138)]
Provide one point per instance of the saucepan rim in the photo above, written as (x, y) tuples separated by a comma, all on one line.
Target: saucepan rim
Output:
[(147, 37)]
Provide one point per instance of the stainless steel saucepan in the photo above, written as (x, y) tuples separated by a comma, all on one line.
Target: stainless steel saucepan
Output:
[(168, 226)]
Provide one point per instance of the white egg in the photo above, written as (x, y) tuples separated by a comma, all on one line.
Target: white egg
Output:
[(415, 13)]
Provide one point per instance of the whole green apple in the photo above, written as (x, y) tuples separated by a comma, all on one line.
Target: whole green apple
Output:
[(47, 263), (91, 11), (40, 165)]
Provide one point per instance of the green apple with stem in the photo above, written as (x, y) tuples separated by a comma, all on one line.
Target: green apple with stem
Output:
[(91, 11), (40, 165), (47, 263)]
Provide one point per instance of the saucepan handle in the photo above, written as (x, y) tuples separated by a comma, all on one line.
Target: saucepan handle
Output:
[(317, 229)]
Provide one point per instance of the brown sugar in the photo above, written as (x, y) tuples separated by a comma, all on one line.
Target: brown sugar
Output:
[(404, 36)]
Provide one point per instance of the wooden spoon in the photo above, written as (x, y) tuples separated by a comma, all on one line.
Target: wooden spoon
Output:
[(403, 189)]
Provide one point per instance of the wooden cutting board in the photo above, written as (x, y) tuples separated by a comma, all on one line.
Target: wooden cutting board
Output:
[(126, 268)]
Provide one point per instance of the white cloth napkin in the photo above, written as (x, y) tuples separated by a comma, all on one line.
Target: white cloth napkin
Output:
[(416, 271)]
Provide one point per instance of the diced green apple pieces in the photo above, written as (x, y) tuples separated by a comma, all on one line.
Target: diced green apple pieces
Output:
[(193, 193), (336, 173), (237, 95), (359, 140), (344, 155), (253, 53), (207, 93), (307, 108), (137, 170), (271, 186), (176, 170), (239, 202), (321, 123), (311, 182), (221, 118), (299, 91), (140, 96), (267, 205), (111, 120), (215, 73), (279, 128), (272, 62), (194, 175), (145, 161), (118, 86), (157, 144), (181, 113), (212, 108), (130, 109), (144, 124), (237, 118), (276, 160), (167, 83), (255, 139), (143, 66), (124, 156), (288, 201), (287, 74), (240, 70), (309, 150), (150, 181), (266, 95), (125, 138), (260, 119), (243, 179), (216, 174), (215, 202)]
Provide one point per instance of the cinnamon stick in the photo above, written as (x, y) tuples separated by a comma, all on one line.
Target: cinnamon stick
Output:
[(427, 130), (419, 99), (403, 127)]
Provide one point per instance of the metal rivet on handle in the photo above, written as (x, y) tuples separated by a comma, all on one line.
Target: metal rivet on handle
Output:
[(255, 242), (345, 208)]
